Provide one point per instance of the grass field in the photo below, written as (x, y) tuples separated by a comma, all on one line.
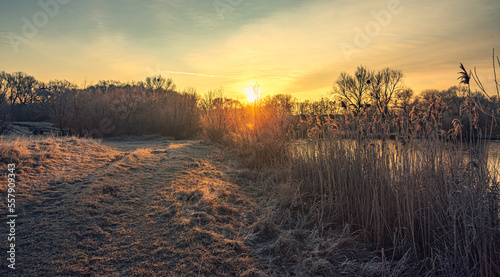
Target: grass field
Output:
[(157, 207), (167, 207)]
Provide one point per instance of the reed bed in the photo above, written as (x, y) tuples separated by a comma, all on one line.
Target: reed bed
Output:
[(425, 196)]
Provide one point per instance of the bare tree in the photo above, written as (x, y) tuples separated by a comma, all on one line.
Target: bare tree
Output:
[(61, 95), (302, 107), (158, 87), (207, 101), (22, 88), (4, 91), (282, 102), (384, 85), (354, 91), (403, 99), (159, 84), (4, 86)]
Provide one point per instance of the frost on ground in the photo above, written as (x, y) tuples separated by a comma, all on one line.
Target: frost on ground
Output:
[(128, 209), (153, 206), (30, 128)]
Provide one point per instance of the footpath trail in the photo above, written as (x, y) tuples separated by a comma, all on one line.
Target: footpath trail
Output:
[(158, 208)]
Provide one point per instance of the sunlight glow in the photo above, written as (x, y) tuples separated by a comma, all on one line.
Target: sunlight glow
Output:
[(250, 95)]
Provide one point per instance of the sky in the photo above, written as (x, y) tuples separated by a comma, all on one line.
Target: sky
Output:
[(296, 47)]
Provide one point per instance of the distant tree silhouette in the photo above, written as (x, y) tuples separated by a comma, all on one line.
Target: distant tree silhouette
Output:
[(281, 102), (61, 102), (22, 88), (104, 86), (159, 83), (4, 111), (368, 88), (384, 85), (4, 87), (323, 106), (404, 99), (354, 91)]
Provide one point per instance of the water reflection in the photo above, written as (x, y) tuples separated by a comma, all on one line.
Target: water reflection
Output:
[(309, 149)]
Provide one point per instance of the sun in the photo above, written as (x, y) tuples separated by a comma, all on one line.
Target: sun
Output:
[(251, 96)]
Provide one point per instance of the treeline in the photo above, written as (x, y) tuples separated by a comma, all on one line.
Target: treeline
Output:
[(156, 106), (109, 108), (384, 94)]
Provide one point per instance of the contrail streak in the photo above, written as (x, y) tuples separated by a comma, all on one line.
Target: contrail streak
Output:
[(201, 74)]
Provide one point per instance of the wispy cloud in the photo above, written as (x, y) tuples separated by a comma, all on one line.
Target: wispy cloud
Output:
[(201, 75), (285, 45)]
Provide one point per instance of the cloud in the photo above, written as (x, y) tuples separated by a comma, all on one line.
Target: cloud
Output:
[(300, 45), (285, 45), (316, 80), (200, 74)]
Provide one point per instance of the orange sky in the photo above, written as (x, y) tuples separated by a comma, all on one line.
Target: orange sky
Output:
[(287, 46)]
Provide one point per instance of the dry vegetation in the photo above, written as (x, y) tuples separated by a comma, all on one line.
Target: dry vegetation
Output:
[(408, 185), (86, 209), (350, 200), (373, 182), (109, 108), (424, 201)]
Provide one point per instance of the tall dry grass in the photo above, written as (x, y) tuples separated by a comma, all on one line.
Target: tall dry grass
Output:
[(426, 195), (419, 194), (259, 132)]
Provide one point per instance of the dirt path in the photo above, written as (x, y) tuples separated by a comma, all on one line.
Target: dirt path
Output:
[(159, 209)]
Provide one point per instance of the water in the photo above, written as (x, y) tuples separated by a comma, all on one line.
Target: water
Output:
[(304, 146), (494, 158)]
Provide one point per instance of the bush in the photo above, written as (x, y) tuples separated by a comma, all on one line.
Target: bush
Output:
[(258, 132), (126, 110)]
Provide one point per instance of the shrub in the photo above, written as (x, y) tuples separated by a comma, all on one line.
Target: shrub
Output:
[(258, 132)]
